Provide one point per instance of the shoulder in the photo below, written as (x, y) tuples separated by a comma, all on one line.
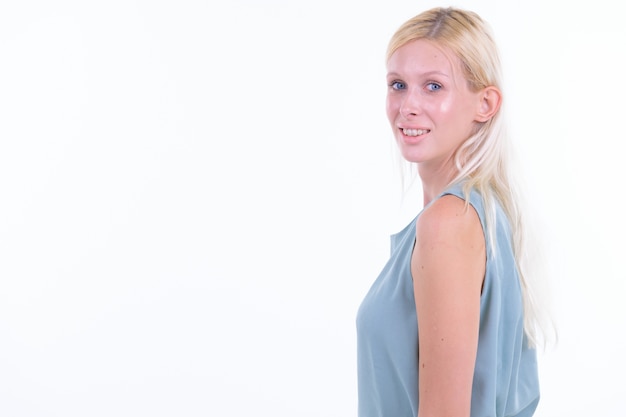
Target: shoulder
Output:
[(449, 218)]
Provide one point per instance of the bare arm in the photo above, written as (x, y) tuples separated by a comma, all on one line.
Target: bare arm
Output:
[(448, 267)]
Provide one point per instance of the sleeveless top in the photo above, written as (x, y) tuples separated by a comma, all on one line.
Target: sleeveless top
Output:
[(505, 377)]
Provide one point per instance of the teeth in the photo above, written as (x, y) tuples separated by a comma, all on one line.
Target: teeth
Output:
[(415, 132)]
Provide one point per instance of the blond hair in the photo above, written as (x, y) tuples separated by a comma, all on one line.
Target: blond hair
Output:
[(483, 160)]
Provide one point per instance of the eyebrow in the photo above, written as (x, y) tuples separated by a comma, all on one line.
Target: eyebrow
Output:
[(425, 74)]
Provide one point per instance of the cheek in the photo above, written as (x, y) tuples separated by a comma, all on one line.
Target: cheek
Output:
[(457, 109), (444, 107), (392, 107), (449, 113)]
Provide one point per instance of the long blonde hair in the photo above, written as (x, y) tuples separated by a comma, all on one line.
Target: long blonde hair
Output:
[(483, 160)]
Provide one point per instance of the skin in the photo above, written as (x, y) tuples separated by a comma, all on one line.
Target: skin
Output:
[(428, 91)]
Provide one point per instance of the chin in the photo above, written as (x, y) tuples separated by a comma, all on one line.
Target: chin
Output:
[(412, 157)]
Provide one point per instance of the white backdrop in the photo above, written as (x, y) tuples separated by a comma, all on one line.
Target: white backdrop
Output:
[(196, 195)]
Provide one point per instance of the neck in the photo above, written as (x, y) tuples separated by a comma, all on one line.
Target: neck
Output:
[(434, 181)]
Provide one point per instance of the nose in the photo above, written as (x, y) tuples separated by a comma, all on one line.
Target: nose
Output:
[(410, 106)]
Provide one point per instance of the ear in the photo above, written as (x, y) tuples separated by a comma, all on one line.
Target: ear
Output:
[(490, 99)]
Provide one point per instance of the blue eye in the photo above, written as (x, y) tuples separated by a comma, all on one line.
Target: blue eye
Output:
[(433, 86), (397, 85)]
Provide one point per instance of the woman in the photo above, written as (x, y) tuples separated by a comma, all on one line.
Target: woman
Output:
[(447, 329)]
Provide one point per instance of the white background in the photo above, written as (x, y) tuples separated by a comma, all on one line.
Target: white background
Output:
[(195, 196)]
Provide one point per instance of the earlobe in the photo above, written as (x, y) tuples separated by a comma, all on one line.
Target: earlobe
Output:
[(490, 100)]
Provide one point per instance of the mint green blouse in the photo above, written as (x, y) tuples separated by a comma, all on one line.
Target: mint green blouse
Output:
[(505, 377)]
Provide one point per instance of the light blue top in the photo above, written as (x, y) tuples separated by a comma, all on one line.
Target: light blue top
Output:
[(505, 376)]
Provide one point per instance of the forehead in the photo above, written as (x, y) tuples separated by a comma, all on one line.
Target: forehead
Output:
[(423, 56)]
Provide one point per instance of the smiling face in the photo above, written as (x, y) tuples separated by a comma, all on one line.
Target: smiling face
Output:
[(430, 107)]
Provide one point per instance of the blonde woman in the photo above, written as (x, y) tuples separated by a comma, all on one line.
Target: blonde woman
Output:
[(448, 327)]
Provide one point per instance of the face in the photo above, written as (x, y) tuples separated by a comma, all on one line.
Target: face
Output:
[(429, 104)]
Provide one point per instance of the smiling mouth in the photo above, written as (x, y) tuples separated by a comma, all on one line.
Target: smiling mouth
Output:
[(415, 132)]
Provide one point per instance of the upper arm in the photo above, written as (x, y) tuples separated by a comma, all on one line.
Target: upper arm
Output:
[(448, 268)]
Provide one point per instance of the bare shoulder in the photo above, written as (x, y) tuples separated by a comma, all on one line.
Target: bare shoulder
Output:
[(449, 219)]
